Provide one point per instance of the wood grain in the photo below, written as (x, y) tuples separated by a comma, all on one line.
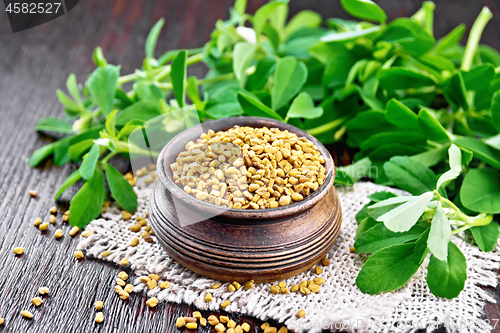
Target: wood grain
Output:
[(33, 64)]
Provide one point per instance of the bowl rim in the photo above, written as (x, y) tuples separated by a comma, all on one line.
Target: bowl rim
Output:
[(165, 174)]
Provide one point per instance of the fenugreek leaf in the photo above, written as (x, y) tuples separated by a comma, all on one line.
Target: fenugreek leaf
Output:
[(379, 237), (480, 190), (53, 124), (120, 188), (365, 10), (70, 180), (178, 75), (42, 153), (153, 38), (89, 162), (303, 107), (242, 56), (289, 77), (486, 236), (440, 234), (420, 251), (410, 175), (255, 108), (86, 205), (102, 84), (386, 205)]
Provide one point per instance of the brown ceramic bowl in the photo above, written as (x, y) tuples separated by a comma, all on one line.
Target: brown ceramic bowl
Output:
[(240, 244)]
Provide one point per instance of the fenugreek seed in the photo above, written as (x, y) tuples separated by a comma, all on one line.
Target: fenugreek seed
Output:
[(270, 330), (134, 242), (52, 219), (203, 321), (325, 261), (197, 314), (213, 320), (43, 291), (225, 304), (275, 290), (43, 226), (124, 262), (79, 254), (231, 288), (74, 231), (215, 286), (303, 284), (238, 329), (231, 324), (304, 290), (136, 227), (237, 285), (65, 218), (18, 250), (123, 275), (126, 215), (152, 302), (124, 295), (118, 289), (284, 200), (319, 281), (230, 330), (285, 290), (37, 301), (283, 329), (155, 277), (98, 305), (297, 197), (1, 321), (129, 288), (58, 233), (26, 314), (282, 284), (352, 249), (249, 284), (191, 326), (301, 313), (224, 319), (120, 282), (208, 297), (180, 322), (151, 284), (219, 328), (264, 326), (164, 285), (99, 317), (33, 193), (37, 222), (318, 270), (314, 288), (144, 279), (294, 288), (107, 254), (246, 327), (53, 210), (86, 234)]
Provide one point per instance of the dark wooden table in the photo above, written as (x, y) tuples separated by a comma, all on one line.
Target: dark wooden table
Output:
[(33, 64)]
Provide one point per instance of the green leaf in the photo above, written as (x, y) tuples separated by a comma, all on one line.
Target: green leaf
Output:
[(455, 92), (77, 150), (289, 77), (365, 10), (431, 127), (398, 78), (53, 124), (387, 205), (486, 236), (399, 115), (447, 278), (448, 175), (480, 191), (255, 108), (364, 225), (334, 74), (420, 251), (481, 150), (86, 205), (422, 41), (41, 153), (89, 162), (303, 107), (350, 35), (355, 171), (178, 75), (263, 71), (262, 14), (431, 157), (303, 19), (403, 217), (73, 89), (381, 196), (240, 6), (242, 56), (70, 180), (120, 188), (440, 234), (69, 105), (379, 237), (143, 110), (111, 123), (152, 38), (455, 156), (410, 175), (98, 57), (102, 84), (451, 39), (61, 155), (495, 111), (387, 269)]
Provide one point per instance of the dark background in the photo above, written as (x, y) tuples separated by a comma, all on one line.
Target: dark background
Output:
[(33, 64)]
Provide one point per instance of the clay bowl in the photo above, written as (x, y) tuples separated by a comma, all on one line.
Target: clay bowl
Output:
[(238, 244)]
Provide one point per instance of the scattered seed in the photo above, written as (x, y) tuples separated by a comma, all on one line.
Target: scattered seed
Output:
[(208, 297), (154, 277), (264, 326), (197, 314), (180, 322), (124, 295), (107, 254), (134, 242), (249, 284), (230, 330), (58, 233), (212, 320), (164, 285), (318, 270), (43, 291), (43, 226), (99, 317), (219, 328), (37, 222), (152, 302), (37, 301), (301, 313), (1, 321), (129, 288), (126, 215), (282, 284), (225, 304), (352, 249), (231, 324), (18, 250), (124, 262), (98, 305), (295, 288), (74, 231), (215, 286), (65, 218), (319, 281), (190, 319), (304, 290), (203, 321), (284, 290), (86, 234), (33, 193), (118, 289), (151, 284), (237, 285), (231, 288), (144, 279), (270, 330), (283, 329), (52, 219), (314, 288), (120, 282), (224, 319), (246, 327), (191, 326), (53, 210), (26, 314), (275, 290), (325, 261), (135, 227), (123, 275), (79, 254)]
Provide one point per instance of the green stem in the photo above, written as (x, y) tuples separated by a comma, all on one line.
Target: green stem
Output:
[(475, 35), (326, 127), (108, 157), (217, 78)]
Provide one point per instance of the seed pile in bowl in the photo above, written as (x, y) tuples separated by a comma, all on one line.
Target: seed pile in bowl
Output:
[(249, 168)]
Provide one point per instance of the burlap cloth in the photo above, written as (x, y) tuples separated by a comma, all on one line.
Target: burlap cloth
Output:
[(339, 303)]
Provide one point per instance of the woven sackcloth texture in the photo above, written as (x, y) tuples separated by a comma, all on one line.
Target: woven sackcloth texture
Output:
[(339, 303)]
